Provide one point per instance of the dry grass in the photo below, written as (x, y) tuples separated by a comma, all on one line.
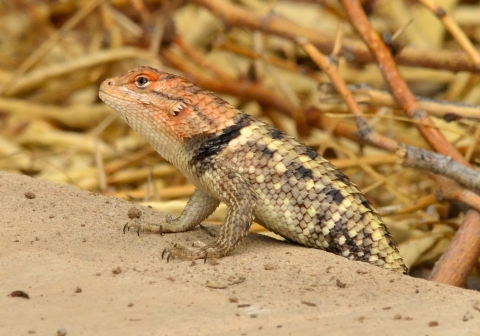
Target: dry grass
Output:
[(53, 126)]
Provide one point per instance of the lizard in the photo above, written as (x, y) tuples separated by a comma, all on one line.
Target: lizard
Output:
[(258, 171)]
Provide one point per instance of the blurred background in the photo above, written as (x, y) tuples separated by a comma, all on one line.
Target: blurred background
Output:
[(54, 55)]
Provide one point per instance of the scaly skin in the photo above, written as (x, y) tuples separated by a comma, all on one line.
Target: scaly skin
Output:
[(255, 169)]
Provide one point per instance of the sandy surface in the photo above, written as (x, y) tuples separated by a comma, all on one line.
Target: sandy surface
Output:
[(66, 250)]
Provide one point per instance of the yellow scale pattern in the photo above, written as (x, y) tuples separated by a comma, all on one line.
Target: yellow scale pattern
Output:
[(297, 206), (255, 169)]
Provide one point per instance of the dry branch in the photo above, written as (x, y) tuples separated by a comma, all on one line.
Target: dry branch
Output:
[(237, 16), (439, 164), (409, 156), (366, 95), (463, 259)]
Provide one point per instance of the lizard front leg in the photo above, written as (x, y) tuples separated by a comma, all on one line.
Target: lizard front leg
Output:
[(198, 208), (240, 199)]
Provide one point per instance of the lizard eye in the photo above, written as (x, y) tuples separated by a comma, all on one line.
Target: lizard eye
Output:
[(142, 82)]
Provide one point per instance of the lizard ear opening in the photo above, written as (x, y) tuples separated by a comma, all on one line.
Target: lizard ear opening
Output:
[(177, 109)]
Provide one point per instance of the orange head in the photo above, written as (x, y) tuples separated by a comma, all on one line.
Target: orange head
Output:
[(165, 109)]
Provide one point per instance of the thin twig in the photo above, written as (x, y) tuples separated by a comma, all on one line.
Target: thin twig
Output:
[(463, 252), (427, 160), (367, 95), (455, 30), (410, 207), (42, 74), (238, 16), (439, 164), (7, 88)]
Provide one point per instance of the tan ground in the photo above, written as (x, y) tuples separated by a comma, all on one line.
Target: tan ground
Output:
[(64, 246)]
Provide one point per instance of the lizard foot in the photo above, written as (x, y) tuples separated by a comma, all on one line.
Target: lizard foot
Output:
[(141, 226), (198, 251)]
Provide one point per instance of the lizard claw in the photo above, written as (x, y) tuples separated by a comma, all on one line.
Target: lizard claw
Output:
[(166, 253), (181, 251), (134, 223), (141, 226), (170, 252), (205, 257)]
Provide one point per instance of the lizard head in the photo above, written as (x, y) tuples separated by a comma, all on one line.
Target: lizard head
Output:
[(154, 102)]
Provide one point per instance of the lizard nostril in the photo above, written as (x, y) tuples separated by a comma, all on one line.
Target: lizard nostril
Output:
[(109, 83)]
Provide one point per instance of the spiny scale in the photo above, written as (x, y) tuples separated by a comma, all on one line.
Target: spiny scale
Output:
[(254, 168)]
